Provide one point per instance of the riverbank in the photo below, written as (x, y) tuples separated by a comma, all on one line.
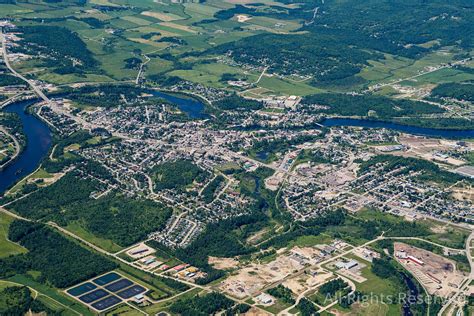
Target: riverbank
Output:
[(38, 142)]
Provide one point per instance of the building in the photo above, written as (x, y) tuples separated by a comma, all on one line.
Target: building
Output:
[(415, 260), (264, 298), (401, 254)]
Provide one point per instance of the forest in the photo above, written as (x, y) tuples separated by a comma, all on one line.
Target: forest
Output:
[(459, 91), (18, 300), (105, 95), (342, 36), (237, 103), (123, 220), (283, 293), (177, 174), (210, 190), (9, 80), (207, 304), (369, 105), (60, 261), (50, 41)]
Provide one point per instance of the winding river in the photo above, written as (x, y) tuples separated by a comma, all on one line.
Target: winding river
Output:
[(39, 141)]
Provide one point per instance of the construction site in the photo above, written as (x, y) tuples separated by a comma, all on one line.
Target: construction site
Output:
[(437, 274)]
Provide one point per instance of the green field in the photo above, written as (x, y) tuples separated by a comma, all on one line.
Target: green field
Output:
[(106, 244), (7, 248), (52, 293)]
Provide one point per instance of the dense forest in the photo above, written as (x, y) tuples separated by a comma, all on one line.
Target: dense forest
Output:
[(369, 105), (460, 91), (18, 300), (106, 95), (283, 293), (341, 36), (210, 190), (237, 103), (9, 80), (66, 52), (177, 174), (60, 261), (207, 304), (121, 219)]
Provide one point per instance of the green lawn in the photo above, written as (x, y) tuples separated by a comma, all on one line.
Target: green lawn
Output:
[(7, 248)]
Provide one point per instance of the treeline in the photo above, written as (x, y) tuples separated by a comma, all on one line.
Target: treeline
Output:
[(17, 300), (283, 293), (177, 174), (459, 91), (210, 190), (9, 80), (121, 219), (448, 123), (208, 304), (237, 103), (62, 45), (369, 105), (60, 261)]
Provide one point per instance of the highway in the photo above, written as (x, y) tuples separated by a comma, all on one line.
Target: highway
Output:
[(37, 90)]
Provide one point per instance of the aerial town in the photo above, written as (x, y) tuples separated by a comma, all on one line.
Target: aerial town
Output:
[(233, 180)]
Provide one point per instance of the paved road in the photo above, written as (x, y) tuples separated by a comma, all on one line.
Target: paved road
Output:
[(452, 302), (16, 74), (17, 146)]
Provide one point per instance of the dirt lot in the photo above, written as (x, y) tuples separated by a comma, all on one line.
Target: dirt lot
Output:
[(249, 280), (223, 263), (437, 273), (427, 148), (302, 283)]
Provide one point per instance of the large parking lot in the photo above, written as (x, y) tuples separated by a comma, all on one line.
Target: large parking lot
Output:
[(106, 291)]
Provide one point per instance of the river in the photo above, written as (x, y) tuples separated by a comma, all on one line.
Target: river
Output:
[(39, 141), (431, 132), (39, 137), (192, 107)]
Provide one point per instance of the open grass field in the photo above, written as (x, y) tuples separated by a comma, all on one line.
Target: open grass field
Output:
[(395, 67), (7, 248), (122, 310), (286, 87), (309, 241), (106, 244), (368, 309), (164, 306), (276, 308)]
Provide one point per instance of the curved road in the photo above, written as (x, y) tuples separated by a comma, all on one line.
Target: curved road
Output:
[(17, 147)]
